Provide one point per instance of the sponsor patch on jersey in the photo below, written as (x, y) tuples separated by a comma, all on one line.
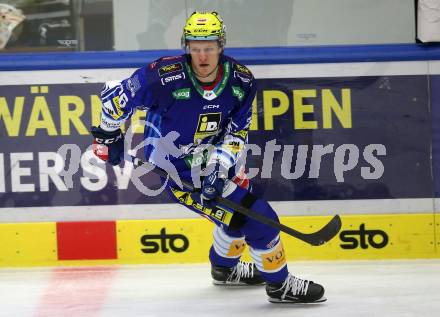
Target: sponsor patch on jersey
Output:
[(168, 69), (234, 146), (113, 108), (238, 92), (209, 124), (133, 85), (117, 107), (166, 80), (110, 124), (242, 69), (182, 94), (242, 134)]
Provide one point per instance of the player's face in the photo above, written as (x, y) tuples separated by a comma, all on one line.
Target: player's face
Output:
[(204, 56)]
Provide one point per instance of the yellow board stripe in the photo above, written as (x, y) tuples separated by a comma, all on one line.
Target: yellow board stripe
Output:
[(437, 233), (164, 241), (407, 236), (28, 243), (391, 236)]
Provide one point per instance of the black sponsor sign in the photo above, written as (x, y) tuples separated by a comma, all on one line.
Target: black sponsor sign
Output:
[(164, 242), (363, 238)]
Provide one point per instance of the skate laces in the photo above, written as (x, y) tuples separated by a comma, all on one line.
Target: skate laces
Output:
[(296, 285), (242, 269)]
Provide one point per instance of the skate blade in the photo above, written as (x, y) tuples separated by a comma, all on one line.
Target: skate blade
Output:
[(235, 284), (283, 301)]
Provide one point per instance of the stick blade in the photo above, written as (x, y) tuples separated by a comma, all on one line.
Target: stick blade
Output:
[(325, 234)]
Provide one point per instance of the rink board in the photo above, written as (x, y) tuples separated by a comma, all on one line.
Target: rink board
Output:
[(391, 236), (351, 104), (368, 111)]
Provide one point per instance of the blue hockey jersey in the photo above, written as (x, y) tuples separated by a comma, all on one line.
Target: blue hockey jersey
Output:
[(175, 101)]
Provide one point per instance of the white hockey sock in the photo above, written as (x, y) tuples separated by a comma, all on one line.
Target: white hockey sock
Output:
[(227, 246), (270, 260)]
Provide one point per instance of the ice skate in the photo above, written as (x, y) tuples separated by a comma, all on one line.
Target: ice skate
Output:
[(242, 274), (295, 290)]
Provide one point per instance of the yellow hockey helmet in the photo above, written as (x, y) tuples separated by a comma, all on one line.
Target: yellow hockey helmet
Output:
[(204, 26)]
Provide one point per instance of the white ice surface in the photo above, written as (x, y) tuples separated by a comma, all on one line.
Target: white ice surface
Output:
[(366, 288)]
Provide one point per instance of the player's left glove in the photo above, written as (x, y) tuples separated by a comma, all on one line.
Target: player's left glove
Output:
[(108, 146), (212, 186)]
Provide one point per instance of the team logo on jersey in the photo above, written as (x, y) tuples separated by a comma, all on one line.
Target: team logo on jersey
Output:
[(243, 77), (182, 94), (167, 69), (171, 78), (209, 124), (243, 73), (209, 95)]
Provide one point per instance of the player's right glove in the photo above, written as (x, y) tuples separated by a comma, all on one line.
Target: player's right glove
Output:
[(212, 186), (108, 146)]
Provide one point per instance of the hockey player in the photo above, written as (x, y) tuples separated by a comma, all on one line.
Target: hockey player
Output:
[(206, 97)]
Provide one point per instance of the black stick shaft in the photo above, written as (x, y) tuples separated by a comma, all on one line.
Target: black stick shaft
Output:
[(317, 238)]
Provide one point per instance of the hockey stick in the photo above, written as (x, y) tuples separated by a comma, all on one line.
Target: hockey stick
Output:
[(317, 238)]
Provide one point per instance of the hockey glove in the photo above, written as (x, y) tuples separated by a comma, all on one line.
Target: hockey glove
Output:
[(108, 146), (212, 186)]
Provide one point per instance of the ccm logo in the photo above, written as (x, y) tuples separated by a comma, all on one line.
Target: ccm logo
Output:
[(211, 107), (108, 141), (377, 239), (164, 242)]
